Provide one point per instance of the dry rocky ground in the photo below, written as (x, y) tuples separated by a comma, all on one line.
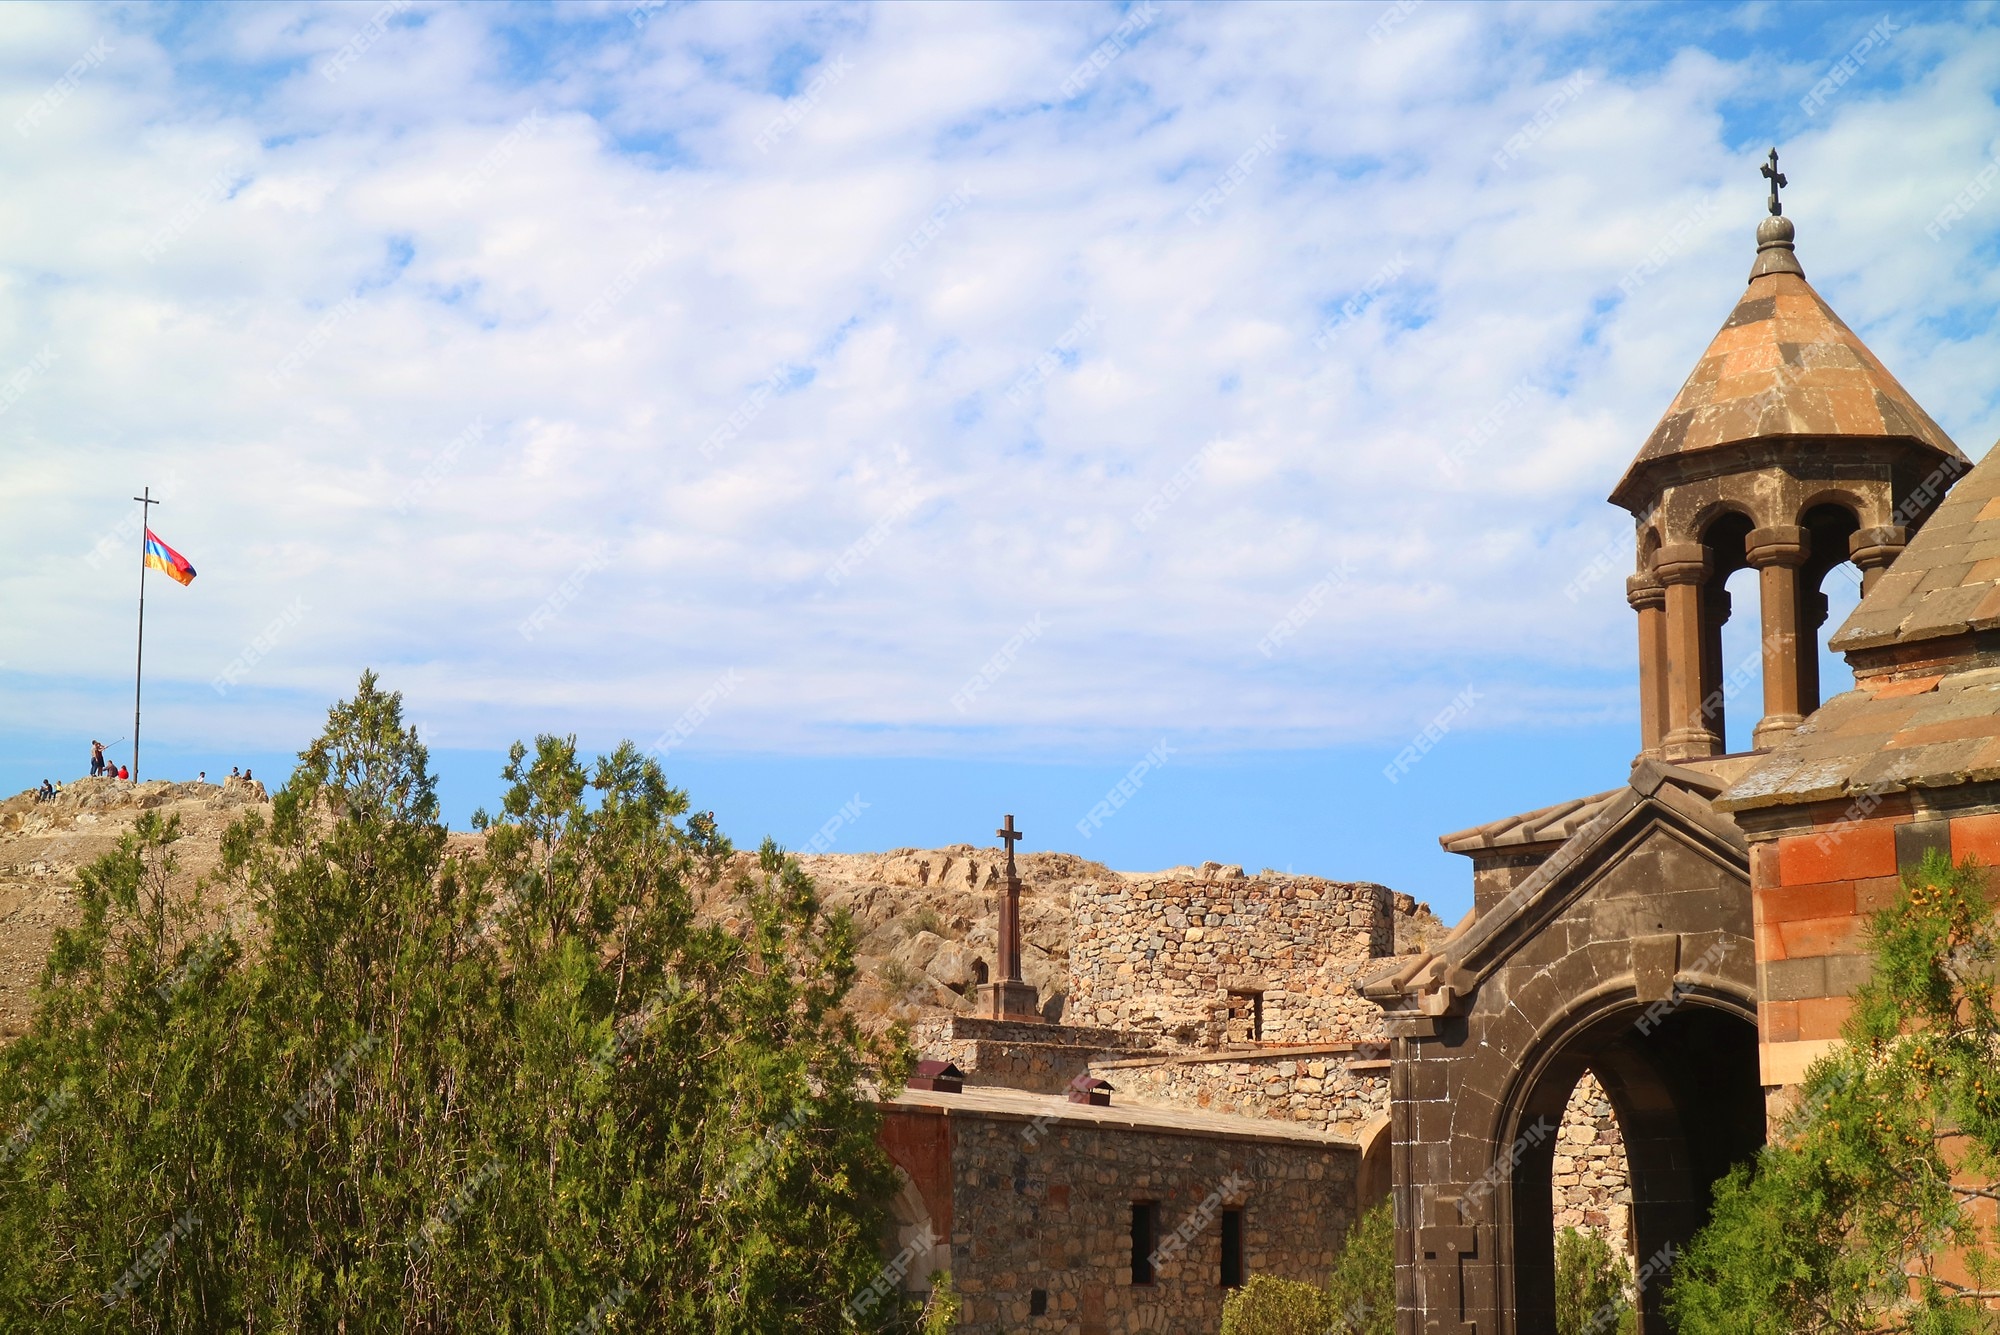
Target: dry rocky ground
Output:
[(925, 919)]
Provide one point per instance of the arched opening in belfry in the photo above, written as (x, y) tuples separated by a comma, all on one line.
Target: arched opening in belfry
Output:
[(1726, 675), (1681, 1078), (1742, 660), (1829, 588)]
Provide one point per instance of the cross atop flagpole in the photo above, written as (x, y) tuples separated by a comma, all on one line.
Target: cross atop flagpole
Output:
[(146, 504)]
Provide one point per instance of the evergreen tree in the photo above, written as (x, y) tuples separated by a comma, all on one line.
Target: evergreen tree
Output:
[(522, 1087), (1592, 1284), (1871, 1210), (1363, 1285)]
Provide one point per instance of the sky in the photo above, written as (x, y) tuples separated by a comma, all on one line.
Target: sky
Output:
[(896, 416)]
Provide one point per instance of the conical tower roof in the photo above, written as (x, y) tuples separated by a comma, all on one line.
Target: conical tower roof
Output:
[(1783, 365)]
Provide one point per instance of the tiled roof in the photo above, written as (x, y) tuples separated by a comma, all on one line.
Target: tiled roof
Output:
[(1549, 825), (1785, 365), (1886, 736), (1946, 582)]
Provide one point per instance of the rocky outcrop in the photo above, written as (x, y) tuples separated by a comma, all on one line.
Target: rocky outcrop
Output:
[(44, 844)]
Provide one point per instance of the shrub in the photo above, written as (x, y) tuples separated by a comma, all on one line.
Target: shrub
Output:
[(1592, 1284), (1267, 1305), (1360, 1297)]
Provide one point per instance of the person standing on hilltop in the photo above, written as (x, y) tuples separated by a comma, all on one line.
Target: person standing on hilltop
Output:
[(96, 758)]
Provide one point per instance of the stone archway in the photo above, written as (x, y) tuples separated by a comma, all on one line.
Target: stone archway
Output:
[(1628, 952), (1684, 1085)]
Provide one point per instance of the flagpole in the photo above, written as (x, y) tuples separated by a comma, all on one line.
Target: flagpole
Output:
[(146, 504)]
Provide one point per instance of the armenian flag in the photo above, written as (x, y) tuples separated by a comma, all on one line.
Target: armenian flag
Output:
[(167, 561)]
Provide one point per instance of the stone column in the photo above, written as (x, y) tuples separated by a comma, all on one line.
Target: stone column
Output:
[(1683, 567), (1777, 553), (1812, 615), (1648, 598), (1874, 549), (1716, 606)]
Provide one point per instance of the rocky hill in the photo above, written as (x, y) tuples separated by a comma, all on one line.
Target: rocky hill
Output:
[(44, 844), (925, 917)]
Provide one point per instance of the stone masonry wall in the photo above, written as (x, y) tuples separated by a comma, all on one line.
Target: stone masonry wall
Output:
[(1165, 955), (1054, 1212), (1593, 1183), (1310, 1085)]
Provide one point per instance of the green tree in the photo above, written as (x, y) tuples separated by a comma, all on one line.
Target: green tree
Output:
[(521, 1086), (1592, 1282), (1363, 1285), (1870, 1211)]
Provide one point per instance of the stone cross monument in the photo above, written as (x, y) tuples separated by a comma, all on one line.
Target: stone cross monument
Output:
[(1009, 997)]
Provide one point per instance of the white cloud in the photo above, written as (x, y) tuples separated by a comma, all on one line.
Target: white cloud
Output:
[(616, 286)]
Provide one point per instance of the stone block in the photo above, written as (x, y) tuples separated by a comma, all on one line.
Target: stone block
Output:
[(1976, 836), (1823, 936), (1793, 979), (1791, 903), (1838, 853), (1916, 839), (1876, 892), (1846, 973), (1778, 1021), (1821, 1017)]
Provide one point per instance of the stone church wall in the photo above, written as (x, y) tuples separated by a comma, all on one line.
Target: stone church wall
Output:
[(1166, 956), (1053, 1212)]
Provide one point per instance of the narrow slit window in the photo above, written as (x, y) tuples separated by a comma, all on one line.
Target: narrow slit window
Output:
[(1232, 1249), (1145, 1238)]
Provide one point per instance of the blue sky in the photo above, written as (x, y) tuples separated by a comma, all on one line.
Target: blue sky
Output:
[(899, 402)]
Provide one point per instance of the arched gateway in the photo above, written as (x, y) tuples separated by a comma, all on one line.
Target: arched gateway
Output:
[(1614, 934), (1626, 953)]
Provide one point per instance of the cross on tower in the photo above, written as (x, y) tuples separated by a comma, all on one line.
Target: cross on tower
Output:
[(1776, 178)]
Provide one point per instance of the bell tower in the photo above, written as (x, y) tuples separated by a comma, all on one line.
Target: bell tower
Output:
[(1789, 450)]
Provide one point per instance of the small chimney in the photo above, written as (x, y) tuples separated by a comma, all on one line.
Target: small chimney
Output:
[(938, 1077), (1089, 1089)]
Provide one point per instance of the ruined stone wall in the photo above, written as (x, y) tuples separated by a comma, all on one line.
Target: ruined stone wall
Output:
[(1040, 1058), (1593, 1183), (1052, 1212), (1166, 954), (1315, 1086)]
